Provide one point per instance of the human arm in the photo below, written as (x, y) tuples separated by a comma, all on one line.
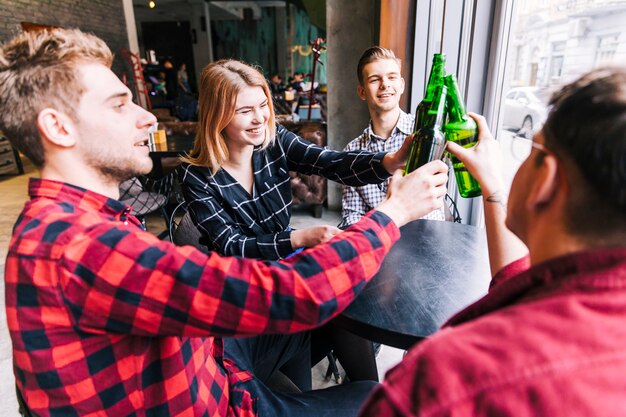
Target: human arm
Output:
[(483, 162), (311, 236), (354, 168), (126, 281), (118, 279)]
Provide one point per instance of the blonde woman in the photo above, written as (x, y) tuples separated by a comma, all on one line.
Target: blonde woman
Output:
[(237, 185), (236, 179)]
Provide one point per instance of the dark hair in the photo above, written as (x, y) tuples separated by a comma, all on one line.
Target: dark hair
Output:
[(371, 54), (586, 128)]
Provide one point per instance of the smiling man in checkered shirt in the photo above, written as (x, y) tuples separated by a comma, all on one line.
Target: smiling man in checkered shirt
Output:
[(381, 85), (106, 319)]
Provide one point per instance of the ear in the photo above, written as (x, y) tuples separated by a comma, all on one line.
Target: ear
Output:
[(360, 91), (56, 127), (547, 184), (402, 86)]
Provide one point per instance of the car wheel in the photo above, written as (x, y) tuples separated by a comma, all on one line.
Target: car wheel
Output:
[(526, 130)]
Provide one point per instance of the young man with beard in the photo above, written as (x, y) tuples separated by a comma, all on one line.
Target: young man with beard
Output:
[(106, 319)]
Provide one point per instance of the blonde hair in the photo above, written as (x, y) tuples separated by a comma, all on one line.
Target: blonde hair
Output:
[(220, 84), (38, 70), (374, 53)]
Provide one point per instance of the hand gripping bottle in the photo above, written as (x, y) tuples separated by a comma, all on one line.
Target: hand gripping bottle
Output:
[(460, 129)]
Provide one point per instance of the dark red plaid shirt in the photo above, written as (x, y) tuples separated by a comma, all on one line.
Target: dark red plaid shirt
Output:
[(546, 341), (107, 320)]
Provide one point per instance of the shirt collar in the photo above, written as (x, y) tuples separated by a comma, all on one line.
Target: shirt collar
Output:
[(600, 268), (77, 196), (404, 126)]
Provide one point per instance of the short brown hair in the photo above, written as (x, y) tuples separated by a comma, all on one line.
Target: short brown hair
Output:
[(220, 84), (586, 129), (38, 70), (374, 53)]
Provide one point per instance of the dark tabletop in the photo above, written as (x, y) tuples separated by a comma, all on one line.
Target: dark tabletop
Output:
[(177, 145), (433, 271)]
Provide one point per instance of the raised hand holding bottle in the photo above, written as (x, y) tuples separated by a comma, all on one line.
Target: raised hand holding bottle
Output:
[(460, 129), (429, 142), (435, 79)]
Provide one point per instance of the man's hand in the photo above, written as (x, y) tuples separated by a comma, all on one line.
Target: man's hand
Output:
[(397, 160), (417, 194), (483, 160), (311, 236)]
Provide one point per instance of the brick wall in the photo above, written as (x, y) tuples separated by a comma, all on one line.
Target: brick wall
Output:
[(104, 18)]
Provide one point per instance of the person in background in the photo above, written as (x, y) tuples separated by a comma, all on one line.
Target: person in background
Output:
[(171, 82), (296, 82), (380, 85), (549, 337), (183, 79), (108, 320), (276, 84)]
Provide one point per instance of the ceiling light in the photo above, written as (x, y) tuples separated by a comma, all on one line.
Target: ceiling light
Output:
[(151, 4)]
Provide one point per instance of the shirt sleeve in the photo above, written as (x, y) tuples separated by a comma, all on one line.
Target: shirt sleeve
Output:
[(222, 232), (119, 279), (353, 168)]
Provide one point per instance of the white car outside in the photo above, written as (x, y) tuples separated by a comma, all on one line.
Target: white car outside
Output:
[(524, 111)]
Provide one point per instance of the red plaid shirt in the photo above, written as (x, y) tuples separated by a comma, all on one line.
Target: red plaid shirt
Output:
[(546, 341), (106, 320)]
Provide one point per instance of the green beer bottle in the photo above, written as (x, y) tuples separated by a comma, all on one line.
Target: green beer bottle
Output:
[(429, 142), (460, 129), (437, 72), (436, 77)]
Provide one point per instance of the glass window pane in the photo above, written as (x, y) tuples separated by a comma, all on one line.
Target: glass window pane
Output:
[(552, 42)]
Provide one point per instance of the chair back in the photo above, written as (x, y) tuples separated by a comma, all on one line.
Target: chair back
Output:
[(132, 192), (188, 234)]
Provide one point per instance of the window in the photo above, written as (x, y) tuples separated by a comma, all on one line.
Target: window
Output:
[(607, 46), (509, 56), (568, 38)]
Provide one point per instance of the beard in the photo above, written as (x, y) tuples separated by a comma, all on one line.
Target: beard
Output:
[(114, 168)]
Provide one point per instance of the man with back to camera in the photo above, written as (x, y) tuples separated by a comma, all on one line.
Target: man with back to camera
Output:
[(380, 85), (550, 337), (106, 319)]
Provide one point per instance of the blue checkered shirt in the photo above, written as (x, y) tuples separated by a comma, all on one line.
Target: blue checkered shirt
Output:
[(357, 201)]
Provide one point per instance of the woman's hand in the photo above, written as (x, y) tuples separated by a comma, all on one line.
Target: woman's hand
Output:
[(311, 236)]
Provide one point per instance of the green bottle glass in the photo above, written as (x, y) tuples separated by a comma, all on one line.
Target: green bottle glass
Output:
[(429, 142), (435, 78), (460, 129)]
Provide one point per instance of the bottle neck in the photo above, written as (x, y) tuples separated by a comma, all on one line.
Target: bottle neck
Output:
[(436, 77), (438, 107), (456, 107)]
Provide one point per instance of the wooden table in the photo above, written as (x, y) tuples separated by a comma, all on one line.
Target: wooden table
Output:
[(433, 271)]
